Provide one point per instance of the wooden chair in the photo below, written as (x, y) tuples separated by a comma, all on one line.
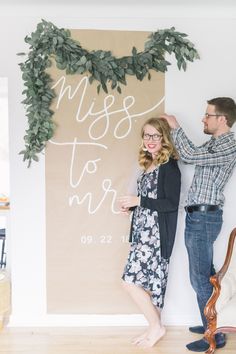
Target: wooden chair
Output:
[(2, 253), (221, 307)]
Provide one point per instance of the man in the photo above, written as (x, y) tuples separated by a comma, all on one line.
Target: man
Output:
[(214, 162)]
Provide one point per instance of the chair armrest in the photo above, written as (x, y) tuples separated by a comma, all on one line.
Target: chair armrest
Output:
[(217, 278)]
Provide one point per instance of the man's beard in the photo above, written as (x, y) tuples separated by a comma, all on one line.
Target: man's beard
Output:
[(206, 131)]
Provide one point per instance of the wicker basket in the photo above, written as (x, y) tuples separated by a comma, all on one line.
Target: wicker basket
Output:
[(5, 298)]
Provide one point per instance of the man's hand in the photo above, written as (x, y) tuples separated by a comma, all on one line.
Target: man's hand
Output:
[(171, 120)]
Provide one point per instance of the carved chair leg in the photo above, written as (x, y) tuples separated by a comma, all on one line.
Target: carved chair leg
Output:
[(210, 337), (211, 315)]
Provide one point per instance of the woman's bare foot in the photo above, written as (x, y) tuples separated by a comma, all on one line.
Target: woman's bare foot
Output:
[(139, 338), (153, 336)]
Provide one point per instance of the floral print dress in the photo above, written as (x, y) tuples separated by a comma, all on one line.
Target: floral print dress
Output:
[(145, 266)]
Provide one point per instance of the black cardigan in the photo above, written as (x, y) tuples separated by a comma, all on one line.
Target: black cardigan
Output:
[(166, 204)]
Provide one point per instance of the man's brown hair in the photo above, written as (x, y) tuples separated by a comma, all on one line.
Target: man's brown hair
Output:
[(225, 106)]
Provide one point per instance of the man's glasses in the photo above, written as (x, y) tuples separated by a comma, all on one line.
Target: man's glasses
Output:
[(154, 137), (207, 115)]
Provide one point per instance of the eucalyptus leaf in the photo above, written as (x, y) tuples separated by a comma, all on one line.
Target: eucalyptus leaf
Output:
[(83, 59)]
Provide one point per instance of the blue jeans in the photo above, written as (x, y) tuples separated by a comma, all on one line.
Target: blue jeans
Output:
[(201, 230)]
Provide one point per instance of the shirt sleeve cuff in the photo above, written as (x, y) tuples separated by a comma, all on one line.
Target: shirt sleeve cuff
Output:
[(175, 132)]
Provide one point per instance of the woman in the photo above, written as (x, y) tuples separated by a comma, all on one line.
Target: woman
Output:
[(153, 226)]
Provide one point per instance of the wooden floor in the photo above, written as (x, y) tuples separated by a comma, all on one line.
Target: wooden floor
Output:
[(102, 340)]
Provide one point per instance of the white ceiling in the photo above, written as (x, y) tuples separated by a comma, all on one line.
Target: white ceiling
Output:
[(110, 9), (202, 3)]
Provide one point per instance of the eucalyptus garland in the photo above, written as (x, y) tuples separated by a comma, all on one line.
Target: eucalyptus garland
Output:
[(49, 42)]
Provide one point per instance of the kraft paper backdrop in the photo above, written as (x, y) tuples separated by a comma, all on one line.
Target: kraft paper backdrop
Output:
[(90, 161)]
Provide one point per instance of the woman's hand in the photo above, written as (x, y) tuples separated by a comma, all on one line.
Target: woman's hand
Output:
[(128, 201), (125, 211)]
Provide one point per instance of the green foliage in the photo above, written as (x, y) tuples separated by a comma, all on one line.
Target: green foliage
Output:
[(49, 42)]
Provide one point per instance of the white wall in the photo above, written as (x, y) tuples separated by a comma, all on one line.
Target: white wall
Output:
[(186, 95), (4, 153)]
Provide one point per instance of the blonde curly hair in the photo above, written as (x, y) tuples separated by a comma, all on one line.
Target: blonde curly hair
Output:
[(168, 149)]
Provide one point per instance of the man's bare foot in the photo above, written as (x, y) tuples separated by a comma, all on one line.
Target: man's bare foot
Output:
[(153, 336), (139, 338)]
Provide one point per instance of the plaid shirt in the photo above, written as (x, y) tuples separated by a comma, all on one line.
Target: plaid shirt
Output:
[(214, 162)]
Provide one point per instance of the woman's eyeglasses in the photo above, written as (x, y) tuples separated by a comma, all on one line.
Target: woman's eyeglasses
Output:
[(154, 137)]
